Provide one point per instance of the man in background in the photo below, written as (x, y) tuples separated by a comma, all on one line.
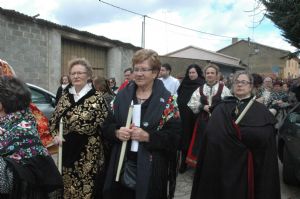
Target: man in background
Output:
[(128, 76), (170, 82)]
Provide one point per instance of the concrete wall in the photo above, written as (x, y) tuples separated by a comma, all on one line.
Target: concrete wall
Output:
[(25, 47), (34, 51), (193, 53), (118, 59), (54, 60), (260, 58), (179, 65)]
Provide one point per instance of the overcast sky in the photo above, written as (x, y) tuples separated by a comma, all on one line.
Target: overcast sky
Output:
[(228, 18)]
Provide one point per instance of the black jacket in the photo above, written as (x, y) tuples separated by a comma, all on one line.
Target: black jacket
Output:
[(154, 156)]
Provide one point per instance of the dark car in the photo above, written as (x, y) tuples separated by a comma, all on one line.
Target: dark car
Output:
[(289, 146), (43, 99)]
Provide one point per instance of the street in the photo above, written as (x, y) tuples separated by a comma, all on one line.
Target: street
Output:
[(184, 186)]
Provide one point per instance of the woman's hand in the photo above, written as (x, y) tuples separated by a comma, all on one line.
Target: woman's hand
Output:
[(123, 134), (139, 134), (279, 102), (2, 131), (261, 100), (57, 140), (206, 108)]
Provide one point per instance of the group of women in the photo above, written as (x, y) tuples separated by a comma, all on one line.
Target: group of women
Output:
[(88, 123), (233, 160)]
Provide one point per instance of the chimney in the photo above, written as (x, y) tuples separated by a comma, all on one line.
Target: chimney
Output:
[(234, 40)]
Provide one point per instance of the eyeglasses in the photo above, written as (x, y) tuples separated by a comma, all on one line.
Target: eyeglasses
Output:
[(77, 73), (142, 70), (242, 82)]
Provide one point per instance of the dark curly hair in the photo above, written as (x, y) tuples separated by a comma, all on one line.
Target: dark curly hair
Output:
[(14, 94), (196, 67)]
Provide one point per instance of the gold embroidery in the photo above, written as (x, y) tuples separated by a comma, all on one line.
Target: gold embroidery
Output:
[(84, 119), (79, 181)]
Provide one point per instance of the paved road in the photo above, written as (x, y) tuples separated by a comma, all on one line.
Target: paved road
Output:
[(184, 186)]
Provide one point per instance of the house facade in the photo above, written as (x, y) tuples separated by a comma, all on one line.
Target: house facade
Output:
[(202, 57), (39, 50), (262, 59), (291, 70)]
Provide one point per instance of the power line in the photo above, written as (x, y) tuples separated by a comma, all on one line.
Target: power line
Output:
[(121, 8), (172, 24)]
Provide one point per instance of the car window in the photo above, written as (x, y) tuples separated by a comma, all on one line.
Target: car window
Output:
[(38, 97)]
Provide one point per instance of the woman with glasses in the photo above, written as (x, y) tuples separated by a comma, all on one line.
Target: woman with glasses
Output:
[(238, 160), (157, 135), (83, 111)]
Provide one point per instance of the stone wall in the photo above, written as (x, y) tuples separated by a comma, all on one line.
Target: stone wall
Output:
[(118, 59), (34, 50), (259, 58), (25, 46), (179, 65)]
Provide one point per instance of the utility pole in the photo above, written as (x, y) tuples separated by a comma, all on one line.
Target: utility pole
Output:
[(143, 31), (249, 55)]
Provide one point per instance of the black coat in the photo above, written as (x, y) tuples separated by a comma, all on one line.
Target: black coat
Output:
[(188, 118), (154, 156), (222, 169)]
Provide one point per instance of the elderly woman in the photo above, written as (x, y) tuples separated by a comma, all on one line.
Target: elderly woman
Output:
[(238, 161), (26, 169), (82, 111), (158, 134)]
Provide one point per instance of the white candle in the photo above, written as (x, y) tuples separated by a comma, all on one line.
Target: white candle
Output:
[(124, 143), (59, 162), (237, 121), (136, 120)]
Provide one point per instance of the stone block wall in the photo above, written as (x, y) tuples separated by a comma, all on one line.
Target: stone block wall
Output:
[(118, 59), (24, 46)]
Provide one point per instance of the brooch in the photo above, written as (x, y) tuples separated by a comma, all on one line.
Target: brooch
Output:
[(145, 124)]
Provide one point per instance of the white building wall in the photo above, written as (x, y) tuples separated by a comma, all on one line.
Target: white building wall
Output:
[(205, 55)]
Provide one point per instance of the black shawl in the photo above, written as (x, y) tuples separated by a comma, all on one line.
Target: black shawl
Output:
[(186, 89), (35, 178), (223, 162)]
